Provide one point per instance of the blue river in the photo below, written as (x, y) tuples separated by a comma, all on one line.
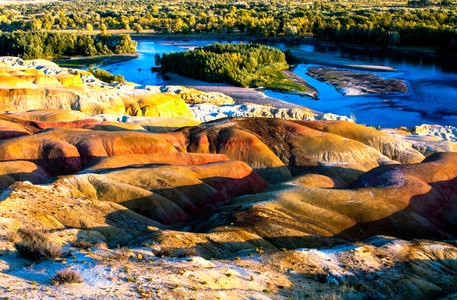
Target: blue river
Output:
[(431, 99)]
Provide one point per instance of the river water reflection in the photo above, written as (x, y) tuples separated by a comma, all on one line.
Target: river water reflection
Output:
[(432, 96)]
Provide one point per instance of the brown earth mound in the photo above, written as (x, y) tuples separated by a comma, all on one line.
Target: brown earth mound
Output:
[(49, 115), (161, 158), (53, 208), (276, 149), (12, 171), (165, 193), (11, 130), (65, 151), (273, 147)]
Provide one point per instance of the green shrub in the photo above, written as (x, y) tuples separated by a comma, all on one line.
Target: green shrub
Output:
[(106, 76)]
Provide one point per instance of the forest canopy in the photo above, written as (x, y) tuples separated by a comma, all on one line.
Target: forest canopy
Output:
[(431, 23), (241, 64), (51, 45)]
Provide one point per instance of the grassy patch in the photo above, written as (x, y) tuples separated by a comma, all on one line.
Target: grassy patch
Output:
[(280, 82)]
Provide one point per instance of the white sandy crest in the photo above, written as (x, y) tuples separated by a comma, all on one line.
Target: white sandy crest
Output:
[(208, 112)]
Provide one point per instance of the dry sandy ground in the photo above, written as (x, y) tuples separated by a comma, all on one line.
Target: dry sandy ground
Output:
[(389, 269), (240, 95)]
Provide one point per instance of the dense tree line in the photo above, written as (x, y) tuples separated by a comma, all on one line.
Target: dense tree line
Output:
[(412, 22), (50, 45), (239, 64), (425, 27)]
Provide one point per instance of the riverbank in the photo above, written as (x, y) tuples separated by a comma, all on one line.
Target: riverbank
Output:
[(240, 95), (255, 96), (309, 57)]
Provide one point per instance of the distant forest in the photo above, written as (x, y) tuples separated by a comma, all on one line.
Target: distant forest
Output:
[(50, 45), (431, 23)]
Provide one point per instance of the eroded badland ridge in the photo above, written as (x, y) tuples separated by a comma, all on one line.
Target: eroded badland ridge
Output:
[(130, 188)]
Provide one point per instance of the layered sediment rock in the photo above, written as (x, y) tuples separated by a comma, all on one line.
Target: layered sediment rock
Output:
[(168, 194), (193, 96), (275, 147), (13, 171), (65, 151), (32, 85), (229, 188), (394, 148)]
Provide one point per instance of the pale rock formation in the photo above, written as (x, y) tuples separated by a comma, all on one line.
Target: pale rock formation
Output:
[(32, 85), (444, 133), (208, 112), (193, 96)]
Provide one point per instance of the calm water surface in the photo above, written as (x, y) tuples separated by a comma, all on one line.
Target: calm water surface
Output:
[(432, 96)]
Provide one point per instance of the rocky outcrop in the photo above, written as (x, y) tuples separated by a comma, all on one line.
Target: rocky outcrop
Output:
[(392, 147), (160, 105), (38, 84), (276, 149), (193, 96), (10, 129), (209, 112), (151, 124), (161, 158), (44, 207), (230, 188), (445, 133), (48, 115)]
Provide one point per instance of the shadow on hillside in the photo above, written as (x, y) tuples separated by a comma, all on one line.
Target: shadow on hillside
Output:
[(428, 216), (6, 135), (35, 177), (185, 203)]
